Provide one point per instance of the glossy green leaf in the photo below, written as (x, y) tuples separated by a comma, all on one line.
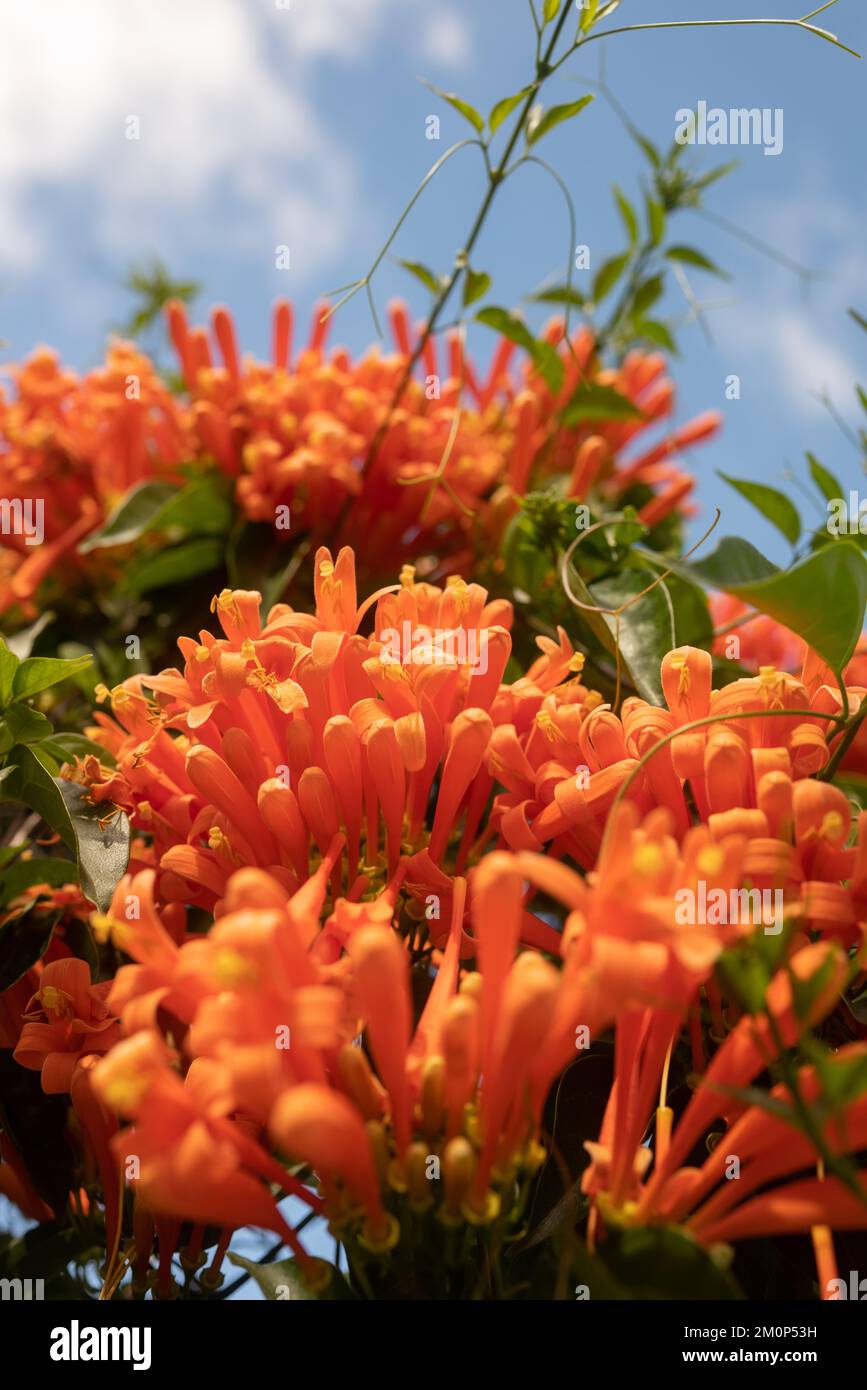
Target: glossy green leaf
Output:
[(545, 358), (173, 565), (628, 213), (689, 256), (8, 667), (647, 294), (40, 672), (825, 481), (646, 629), (27, 873), (735, 562), (98, 836), (608, 274), (423, 274), (588, 15), (776, 506), (27, 725), (505, 107), (65, 747), (131, 517), (822, 598), (476, 285), (556, 115), (201, 508), (468, 112), (593, 401), (655, 220), (559, 294), (656, 332)]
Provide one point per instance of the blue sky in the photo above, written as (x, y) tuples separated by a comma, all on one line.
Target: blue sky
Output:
[(262, 125)]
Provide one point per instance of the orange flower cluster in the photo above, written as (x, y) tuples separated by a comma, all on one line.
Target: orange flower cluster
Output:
[(295, 433), (367, 809), (72, 448), (278, 737), (430, 465)]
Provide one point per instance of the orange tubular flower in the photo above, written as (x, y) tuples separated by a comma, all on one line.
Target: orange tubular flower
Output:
[(448, 460), (70, 448), (281, 735), (271, 1045), (66, 1019), (747, 1050)]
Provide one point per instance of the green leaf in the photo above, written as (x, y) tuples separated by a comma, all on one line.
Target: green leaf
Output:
[(545, 358), (200, 508), (40, 672), (656, 332), (825, 481), (23, 941), (101, 850), (556, 115), (655, 220), (662, 1262), (505, 107), (608, 274), (689, 256), (172, 566), (705, 181), (734, 562), (559, 294), (592, 401), (588, 15), (26, 873), (645, 628), (285, 1280), (775, 505), (65, 747), (628, 213), (27, 725), (822, 598), (647, 294), (8, 667), (693, 625), (476, 284), (131, 517), (422, 273), (468, 112)]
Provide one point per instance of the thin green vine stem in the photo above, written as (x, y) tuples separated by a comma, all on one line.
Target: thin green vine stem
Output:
[(701, 724), (717, 24), (545, 68)]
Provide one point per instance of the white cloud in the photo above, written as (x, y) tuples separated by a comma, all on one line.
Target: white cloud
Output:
[(232, 145), (341, 29), (446, 39), (792, 336), (788, 349)]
